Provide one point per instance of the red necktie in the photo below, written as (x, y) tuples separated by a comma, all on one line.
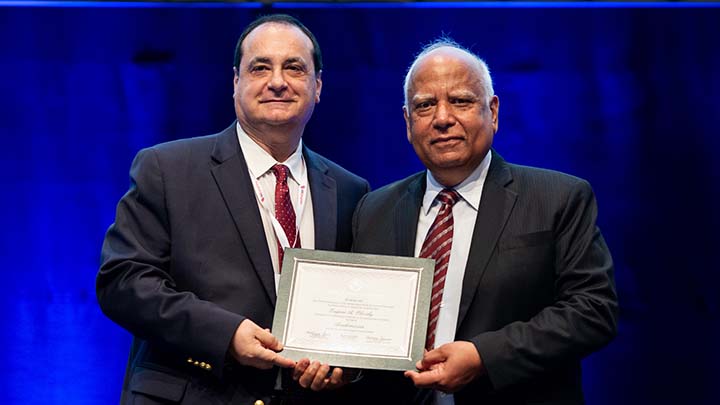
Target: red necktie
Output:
[(437, 246), (284, 212)]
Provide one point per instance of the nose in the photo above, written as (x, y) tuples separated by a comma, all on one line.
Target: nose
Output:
[(444, 117), (277, 81)]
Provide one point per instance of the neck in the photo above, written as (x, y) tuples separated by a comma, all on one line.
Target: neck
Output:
[(278, 142), (450, 178)]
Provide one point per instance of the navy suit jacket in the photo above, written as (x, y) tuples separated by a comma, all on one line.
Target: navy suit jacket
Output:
[(538, 292), (187, 260)]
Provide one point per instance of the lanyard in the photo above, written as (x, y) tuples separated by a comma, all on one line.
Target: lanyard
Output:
[(300, 207)]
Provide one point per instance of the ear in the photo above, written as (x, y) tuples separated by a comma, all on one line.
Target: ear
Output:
[(236, 80), (406, 115), (318, 86), (494, 109)]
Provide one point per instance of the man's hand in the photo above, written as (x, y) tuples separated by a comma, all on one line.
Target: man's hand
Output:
[(256, 347), (317, 376), (448, 368)]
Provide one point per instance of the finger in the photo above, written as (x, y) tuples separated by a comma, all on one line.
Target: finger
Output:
[(300, 368), (308, 376), (432, 357), (336, 378), (268, 340), (264, 358), (281, 361), (320, 380), (261, 358), (411, 375), (422, 380), (258, 358)]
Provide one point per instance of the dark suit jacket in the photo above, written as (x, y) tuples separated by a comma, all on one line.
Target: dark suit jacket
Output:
[(538, 293), (187, 260)]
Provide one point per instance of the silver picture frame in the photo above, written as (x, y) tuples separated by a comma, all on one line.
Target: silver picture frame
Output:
[(353, 310)]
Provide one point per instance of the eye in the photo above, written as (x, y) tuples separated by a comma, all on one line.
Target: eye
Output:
[(295, 69), (423, 105), (259, 68), (461, 101)]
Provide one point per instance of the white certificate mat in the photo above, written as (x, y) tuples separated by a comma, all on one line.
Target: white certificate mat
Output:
[(353, 310)]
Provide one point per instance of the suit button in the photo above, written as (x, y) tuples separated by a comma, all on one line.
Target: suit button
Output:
[(190, 360), (259, 402), (208, 367)]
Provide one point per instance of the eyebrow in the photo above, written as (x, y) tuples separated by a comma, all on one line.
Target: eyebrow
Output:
[(259, 59), (462, 93), (422, 97), (453, 93), (294, 60), (263, 59)]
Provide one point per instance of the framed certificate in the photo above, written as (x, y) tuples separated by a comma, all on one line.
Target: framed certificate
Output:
[(353, 310)]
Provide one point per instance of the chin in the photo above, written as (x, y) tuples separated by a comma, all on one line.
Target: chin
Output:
[(278, 118), (448, 162)]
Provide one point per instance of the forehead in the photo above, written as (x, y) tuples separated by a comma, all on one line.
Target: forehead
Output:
[(277, 40), (446, 68)]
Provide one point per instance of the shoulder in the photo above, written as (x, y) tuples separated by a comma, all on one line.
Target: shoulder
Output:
[(188, 152), (341, 175), (177, 159), (397, 188), (185, 146), (544, 180), (387, 196), (550, 189)]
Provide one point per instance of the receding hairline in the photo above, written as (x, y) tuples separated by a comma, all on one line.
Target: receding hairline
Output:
[(286, 19), (283, 24), (308, 41), (453, 50)]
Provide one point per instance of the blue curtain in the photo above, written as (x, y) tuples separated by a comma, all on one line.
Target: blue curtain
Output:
[(625, 97)]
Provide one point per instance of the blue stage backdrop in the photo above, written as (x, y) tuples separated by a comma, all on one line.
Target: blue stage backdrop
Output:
[(624, 96)]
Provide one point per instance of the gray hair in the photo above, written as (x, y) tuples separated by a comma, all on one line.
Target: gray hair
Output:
[(442, 42)]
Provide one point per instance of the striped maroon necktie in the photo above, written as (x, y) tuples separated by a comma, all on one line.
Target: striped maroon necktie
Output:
[(437, 246), (284, 212)]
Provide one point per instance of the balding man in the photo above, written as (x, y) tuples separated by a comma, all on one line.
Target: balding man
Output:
[(523, 286), (190, 266)]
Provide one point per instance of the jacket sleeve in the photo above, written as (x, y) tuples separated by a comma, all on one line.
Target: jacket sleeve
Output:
[(135, 286)]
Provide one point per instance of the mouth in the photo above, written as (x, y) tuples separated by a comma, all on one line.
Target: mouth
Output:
[(283, 101), (447, 140)]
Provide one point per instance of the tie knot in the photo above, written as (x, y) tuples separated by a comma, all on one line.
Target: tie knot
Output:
[(281, 172), (448, 196)]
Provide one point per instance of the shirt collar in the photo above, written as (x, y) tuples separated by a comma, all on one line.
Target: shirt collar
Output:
[(469, 189), (259, 161)]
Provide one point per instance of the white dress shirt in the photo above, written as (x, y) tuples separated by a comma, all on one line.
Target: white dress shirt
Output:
[(464, 215), (259, 163)]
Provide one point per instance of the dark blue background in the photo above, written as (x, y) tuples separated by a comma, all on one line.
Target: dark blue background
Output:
[(626, 97)]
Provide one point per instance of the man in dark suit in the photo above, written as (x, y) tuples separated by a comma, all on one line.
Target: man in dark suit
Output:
[(523, 286), (191, 264)]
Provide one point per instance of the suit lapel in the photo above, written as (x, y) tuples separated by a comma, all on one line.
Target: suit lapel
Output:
[(233, 180), (406, 215), (495, 207), (323, 191)]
